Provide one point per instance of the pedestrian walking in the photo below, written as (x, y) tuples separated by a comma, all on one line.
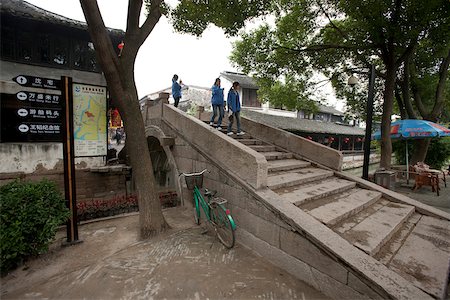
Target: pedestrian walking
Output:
[(118, 136), (217, 103), (234, 109), (176, 90)]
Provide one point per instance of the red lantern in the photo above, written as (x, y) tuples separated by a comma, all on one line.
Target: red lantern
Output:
[(346, 140), (332, 139), (309, 137), (120, 46)]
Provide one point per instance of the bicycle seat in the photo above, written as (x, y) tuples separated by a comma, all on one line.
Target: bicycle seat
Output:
[(209, 193)]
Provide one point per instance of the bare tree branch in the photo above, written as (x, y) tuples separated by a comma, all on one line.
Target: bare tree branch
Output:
[(152, 19), (344, 35), (99, 34), (134, 12), (439, 99)]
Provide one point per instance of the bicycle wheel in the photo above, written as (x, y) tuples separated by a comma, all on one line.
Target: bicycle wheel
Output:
[(222, 226), (196, 212)]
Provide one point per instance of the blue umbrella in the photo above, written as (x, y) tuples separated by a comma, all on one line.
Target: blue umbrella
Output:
[(414, 129)]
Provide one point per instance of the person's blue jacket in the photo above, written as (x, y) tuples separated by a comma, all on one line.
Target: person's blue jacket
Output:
[(176, 89), (217, 95), (233, 101)]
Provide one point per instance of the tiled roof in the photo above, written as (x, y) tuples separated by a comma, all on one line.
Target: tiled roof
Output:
[(23, 9), (244, 81), (302, 125), (330, 110)]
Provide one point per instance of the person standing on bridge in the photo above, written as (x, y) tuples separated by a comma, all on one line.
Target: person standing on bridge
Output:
[(234, 109), (217, 104), (176, 90)]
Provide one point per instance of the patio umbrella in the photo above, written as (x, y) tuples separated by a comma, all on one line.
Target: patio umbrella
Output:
[(414, 129)]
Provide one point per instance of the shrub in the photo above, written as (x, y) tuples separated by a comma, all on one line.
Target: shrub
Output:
[(437, 156), (30, 213)]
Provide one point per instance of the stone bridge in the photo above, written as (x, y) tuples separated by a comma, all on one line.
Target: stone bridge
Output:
[(348, 238)]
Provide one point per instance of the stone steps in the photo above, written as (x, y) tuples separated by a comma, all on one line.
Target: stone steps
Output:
[(286, 165), (374, 231), (388, 251), (273, 155), (344, 205), (263, 148), (315, 190), (295, 178), (424, 257), (249, 142)]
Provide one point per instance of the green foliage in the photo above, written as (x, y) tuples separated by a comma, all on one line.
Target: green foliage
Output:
[(438, 154), (30, 214), (194, 16), (338, 38)]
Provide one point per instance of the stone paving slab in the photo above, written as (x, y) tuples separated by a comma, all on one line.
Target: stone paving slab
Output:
[(277, 155), (286, 164), (371, 234), (298, 177), (342, 207), (388, 251), (316, 191), (347, 224), (424, 258), (182, 263)]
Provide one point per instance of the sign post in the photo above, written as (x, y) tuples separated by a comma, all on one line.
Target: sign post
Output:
[(69, 160), (30, 116)]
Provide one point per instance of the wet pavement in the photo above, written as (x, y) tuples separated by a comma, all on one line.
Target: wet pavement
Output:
[(182, 263)]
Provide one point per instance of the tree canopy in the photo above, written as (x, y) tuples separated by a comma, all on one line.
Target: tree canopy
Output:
[(337, 39)]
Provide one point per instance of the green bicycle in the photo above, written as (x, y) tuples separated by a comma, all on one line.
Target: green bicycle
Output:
[(214, 208)]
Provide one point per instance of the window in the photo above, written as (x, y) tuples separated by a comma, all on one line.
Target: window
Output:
[(44, 48), (8, 41), (24, 46), (60, 50)]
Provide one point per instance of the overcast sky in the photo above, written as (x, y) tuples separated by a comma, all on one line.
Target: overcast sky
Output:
[(197, 61)]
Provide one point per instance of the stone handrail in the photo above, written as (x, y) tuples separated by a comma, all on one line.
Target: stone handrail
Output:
[(234, 157), (313, 151)]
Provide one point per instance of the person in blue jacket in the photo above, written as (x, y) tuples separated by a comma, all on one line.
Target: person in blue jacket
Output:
[(176, 90), (217, 103), (234, 109)]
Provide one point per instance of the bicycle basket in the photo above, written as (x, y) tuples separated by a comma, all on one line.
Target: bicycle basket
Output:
[(194, 180)]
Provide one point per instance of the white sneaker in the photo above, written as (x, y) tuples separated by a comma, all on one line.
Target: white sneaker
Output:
[(211, 123), (229, 133), (240, 133), (219, 128)]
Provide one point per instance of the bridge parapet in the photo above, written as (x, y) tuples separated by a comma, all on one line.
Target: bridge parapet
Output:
[(310, 150), (245, 163)]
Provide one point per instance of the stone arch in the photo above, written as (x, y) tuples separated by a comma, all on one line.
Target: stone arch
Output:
[(164, 165)]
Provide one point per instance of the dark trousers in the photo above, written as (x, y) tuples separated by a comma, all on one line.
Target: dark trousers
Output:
[(177, 100), (236, 115)]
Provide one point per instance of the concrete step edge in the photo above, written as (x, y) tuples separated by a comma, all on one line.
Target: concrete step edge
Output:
[(389, 235), (377, 196), (306, 179), (299, 164), (347, 186)]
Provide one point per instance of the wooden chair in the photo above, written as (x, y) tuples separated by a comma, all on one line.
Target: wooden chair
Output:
[(423, 177)]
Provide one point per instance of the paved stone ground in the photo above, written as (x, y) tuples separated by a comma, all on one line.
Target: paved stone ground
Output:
[(182, 263), (426, 196)]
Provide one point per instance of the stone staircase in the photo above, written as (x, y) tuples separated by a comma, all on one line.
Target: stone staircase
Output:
[(415, 246)]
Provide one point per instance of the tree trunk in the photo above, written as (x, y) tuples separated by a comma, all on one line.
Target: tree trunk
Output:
[(420, 150), (386, 144), (151, 219), (119, 74)]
